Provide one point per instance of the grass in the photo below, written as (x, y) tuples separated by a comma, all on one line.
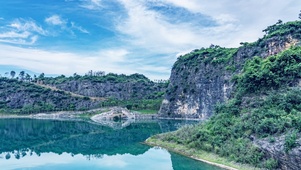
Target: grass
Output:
[(201, 155), (147, 111)]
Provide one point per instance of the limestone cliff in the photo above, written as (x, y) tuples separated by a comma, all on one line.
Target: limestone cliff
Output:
[(202, 79), (118, 87), (258, 85), (120, 91)]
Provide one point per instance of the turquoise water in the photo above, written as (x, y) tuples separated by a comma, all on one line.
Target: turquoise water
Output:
[(52, 144)]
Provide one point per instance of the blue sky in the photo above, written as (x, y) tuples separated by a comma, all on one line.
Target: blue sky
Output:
[(126, 36)]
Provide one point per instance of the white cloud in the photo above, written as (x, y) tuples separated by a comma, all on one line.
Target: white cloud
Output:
[(153, 31), (21, 32), (64, 63), (108, 60), (27, 25), (235, 22), (13, 34), (79, 28), (55, 20), (250, 17)]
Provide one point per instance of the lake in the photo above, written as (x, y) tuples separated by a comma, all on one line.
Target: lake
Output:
[(57, 144)]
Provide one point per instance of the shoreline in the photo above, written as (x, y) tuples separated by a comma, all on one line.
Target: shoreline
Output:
[(200, 155), (76, 114)]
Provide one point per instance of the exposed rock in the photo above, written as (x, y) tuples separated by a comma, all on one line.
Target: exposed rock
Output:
[(287, 161), (31, 98), (118, 118), (116, 113), (120, 91), (197, 87)]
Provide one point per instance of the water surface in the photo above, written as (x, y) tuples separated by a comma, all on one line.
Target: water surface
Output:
[(53, 144)]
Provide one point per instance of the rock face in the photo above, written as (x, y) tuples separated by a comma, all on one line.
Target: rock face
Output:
[(287, 161), (197, 98), (200, 80), (120, 91), (30, 98)]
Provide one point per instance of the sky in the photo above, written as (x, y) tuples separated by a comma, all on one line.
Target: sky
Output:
[(126, 36)]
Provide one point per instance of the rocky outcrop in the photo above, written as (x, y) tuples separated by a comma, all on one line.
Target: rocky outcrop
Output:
[(116, 113), (290, 160), (197, 97), (120, 91), (24, 97), (118, 117), (200, 80)]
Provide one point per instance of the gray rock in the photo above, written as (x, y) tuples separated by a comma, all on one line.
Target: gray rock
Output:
[(196, 88)]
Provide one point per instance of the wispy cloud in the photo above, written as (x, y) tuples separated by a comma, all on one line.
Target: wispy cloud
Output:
[(92, 4), (151, 30), (55, 20), (109, 60), (64, 24), (13, 34), (241, 13), (64, 62), (229, 23), (79, 28), (27, 25), (22, 31)]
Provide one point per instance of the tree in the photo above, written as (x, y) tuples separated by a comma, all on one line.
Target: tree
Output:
[(35, 78), (22, 73), (12, 74), (27, 77), (300, 15), (41, 76)]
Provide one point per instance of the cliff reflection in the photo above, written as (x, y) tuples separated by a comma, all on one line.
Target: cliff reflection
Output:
[(23, 137)]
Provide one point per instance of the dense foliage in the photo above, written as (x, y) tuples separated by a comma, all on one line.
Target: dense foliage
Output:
[(111, 77), (266, 105), (282, 29), (213, 55), (272, 72)]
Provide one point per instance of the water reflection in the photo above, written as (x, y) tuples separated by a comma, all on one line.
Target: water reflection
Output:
[(49, 144)]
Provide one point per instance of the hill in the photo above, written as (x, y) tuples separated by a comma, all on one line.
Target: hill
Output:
[(46, 94), (203, 78), (253, 95)]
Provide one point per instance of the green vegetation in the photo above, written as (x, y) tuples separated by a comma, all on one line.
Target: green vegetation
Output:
[(196, 153), (283, 29), (96, 78), (144, 105), (23, 97), (270, 73), (266, 105), (213, 55)]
